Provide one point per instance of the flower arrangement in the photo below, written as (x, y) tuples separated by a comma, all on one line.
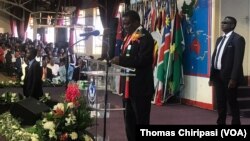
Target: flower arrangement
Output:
[(67, 121), (10, 83), (9, 97), (12, 131)]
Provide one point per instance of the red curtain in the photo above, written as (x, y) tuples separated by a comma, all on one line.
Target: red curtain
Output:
[(13, 27), (21, 25)]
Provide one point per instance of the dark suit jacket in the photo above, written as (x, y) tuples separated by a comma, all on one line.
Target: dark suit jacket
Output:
[(77, 75), (232, 58), (33, 81), (49, 74), (141, 58)]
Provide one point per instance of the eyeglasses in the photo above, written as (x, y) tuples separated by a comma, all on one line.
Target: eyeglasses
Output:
[(224, 22)]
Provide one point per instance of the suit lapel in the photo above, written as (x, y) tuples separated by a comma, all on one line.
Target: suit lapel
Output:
[(216, 46), (228, 41)]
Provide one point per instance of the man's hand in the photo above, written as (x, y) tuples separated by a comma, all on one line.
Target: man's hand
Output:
[(115, 60), (210, 83), (232, 83)]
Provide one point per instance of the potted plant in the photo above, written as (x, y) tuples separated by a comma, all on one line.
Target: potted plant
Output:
[(68, 120)]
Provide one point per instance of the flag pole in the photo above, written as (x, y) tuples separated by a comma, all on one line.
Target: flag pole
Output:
[(155, 95), (166, 76)]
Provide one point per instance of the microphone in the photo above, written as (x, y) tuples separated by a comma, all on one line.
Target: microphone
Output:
[(92, 33)]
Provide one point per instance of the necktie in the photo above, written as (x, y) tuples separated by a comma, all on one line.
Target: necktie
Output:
[(218, 52)]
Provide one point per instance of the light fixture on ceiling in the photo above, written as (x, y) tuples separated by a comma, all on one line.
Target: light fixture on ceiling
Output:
[(69, 9)]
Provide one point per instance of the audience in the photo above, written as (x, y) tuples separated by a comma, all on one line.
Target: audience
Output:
[(52, 60)]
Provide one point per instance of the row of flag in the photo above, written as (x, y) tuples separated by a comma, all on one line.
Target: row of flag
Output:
[(162, 19), (169, 63), (168, 70)]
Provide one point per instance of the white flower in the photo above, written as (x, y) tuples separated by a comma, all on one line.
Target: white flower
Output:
[(44, 120), (13, 139), (52, 134), (70, 105), (12, 99), (17, 132), (14, 127), (47, 95), (13, 94), (59, 106), (87, 138), (74, 135), (49, 125), (71, 119), (34, 139)]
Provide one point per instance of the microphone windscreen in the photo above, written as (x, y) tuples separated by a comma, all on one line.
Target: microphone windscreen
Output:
[(96, 33), (93, 33)]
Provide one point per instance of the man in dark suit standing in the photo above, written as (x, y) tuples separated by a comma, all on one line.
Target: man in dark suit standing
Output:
[(226, 72), (136, 52), (33, 79)]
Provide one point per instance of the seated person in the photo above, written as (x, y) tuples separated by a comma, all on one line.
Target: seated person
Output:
[(18, 67), (47, 72), (62, 72), (54, 67), (8, 62), (81, 66)]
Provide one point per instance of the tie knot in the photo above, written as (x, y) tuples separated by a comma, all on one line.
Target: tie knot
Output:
[(223, 38)]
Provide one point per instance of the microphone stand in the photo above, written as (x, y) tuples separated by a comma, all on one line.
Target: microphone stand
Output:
[(106, 91)]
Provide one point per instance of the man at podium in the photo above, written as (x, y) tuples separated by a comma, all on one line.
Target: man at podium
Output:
[(136, 52)]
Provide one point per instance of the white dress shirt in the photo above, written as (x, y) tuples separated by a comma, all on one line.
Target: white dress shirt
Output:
[(218, 65)]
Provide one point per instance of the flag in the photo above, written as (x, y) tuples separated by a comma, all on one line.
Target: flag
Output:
[(157, 42), (155, 54), (163, 56), (176, 56)]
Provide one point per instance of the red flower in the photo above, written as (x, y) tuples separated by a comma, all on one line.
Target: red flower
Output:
[(72, 93), (63, 137)]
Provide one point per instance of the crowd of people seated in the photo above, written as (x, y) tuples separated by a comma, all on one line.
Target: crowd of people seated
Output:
[(53, 59)]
